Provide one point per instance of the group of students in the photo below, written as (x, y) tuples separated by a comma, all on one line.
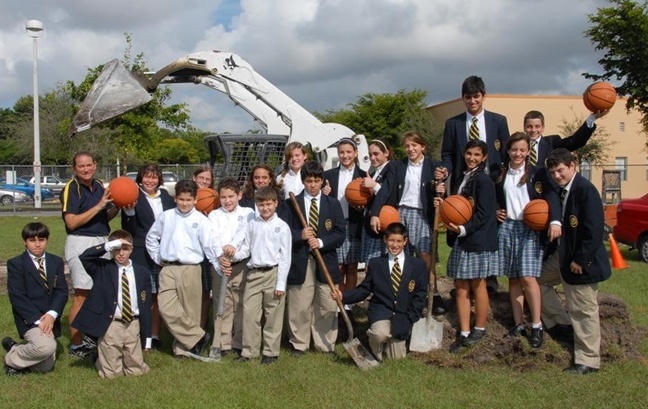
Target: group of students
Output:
[(255, 258)]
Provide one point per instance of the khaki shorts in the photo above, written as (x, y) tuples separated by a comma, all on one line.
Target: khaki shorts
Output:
[(74, 246)]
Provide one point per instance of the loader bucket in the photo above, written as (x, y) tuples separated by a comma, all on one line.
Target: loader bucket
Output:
[(114, 92)]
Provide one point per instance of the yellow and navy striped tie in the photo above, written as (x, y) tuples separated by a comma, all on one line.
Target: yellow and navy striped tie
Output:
[(396, 276), (41, 271), (127, 309), (533, 155), (313, 215), (474, 130)]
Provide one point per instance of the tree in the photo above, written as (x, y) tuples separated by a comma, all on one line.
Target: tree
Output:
[(596, 151), (621, 31), (389, 116), (175, 151)]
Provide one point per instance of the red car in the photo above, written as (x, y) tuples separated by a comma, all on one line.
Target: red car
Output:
[(632, 224)]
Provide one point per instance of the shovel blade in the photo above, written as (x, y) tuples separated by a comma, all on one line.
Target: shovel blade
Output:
[(114, 92), (427, 334), (360, 355)]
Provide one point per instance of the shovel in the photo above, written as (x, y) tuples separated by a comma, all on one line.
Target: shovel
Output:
[(427, 332), (354, 348)]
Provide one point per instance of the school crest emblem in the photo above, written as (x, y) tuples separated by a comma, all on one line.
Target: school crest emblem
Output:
[(538, 187), (498, 144), (411, 286), (240, 218), (471, 200), (143, 296), (277, 229), (194, 226), (328, 224), (573, 221)]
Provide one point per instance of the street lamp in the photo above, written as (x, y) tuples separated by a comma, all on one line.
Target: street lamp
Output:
[(34, 30)]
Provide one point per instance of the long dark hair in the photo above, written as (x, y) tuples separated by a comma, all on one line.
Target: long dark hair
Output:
[(248, 191), (475, 143), (517, 136)]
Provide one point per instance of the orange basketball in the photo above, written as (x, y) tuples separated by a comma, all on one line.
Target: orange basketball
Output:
[(123, 191), (356, 193), (536, 214), (207, 200), (599, 96), (387, 216), (455, 209)]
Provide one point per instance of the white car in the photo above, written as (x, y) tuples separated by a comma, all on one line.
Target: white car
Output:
[(50, 182), (169, 180), (10, 196)]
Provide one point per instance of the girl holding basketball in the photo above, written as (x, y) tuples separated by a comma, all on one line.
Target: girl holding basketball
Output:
[(474, 254), (335, 183), (409, 186), (289, 180), (520, 250), (204, 178)]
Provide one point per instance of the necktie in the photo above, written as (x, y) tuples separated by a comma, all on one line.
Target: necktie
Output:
[(313, 215), (41, 271), (474, 129), (563, 196), (396, 276), (127, 309), (533, 155)]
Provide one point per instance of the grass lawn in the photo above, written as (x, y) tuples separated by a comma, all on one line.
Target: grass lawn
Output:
[(317, 381)]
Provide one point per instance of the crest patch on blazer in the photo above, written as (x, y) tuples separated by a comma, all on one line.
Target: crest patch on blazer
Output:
[(573, 221), (328, 224), (411, 286), (143, 296), (471, 200), (498, 144), (538, 187)]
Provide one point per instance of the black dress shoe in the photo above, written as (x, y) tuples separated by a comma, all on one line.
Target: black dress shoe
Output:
[(297, 353), (580, 369), (537, 335), (201, 344), (267, 360), (458, 344), (156, 344), (517, 331), (11, 371), (242, 359), (475, 336), (438, 306), (8, 343)]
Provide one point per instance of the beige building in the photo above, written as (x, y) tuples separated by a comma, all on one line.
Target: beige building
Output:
[(627, 153)]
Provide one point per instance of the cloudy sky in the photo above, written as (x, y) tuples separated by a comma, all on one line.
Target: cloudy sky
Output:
[(322, 53)]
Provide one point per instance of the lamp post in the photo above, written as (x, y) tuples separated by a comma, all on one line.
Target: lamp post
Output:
[(34, 30)]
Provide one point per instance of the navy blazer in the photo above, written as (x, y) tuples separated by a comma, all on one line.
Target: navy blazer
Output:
[(29, 297), (355, 215), (140, 223), (367, 211), (455, 139), (571, 143), (330, 230), (98, 310), (582, 239)]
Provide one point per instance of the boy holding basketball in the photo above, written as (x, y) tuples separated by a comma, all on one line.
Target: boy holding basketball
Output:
[(398, 284), (179, 240)]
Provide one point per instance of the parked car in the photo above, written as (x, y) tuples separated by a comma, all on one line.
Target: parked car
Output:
[(9, 196), (632, 224), (27, 188), (50, 182), (169, 180)]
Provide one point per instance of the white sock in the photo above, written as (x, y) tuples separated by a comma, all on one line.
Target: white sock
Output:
[(538, 325)]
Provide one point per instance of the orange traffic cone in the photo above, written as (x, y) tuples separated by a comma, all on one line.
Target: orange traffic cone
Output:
[(617, 260)]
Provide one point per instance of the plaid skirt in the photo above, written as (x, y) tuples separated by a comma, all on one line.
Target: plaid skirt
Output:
[(206, 276), (370, 247), (349, 251), (520, 252), (418, 229), (155, 278), (468, 265)]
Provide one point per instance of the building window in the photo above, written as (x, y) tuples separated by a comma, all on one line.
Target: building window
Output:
[(621, 126), (586, 170), (621, 164)]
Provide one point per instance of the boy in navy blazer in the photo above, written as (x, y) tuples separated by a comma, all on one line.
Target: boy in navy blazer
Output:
[(38, 293), (399, 285), (118, 308)]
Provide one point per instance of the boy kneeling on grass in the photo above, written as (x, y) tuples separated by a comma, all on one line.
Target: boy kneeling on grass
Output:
[(118, 308), (399, 286)]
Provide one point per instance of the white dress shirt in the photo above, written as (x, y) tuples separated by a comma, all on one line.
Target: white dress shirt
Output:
[(230, 227), (401, 261), (291, 183), (346, 176), (35, 261), (481, 124), (517, 197), (411, 196)]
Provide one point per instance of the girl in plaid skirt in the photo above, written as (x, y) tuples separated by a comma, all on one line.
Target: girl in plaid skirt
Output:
[(519, 247), (474, 254)]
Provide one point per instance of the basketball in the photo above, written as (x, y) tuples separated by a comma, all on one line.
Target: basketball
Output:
[(207, 200), (455, 209), (123, 191), (536, 214), (387, 216), (599, 96), (356, 193)]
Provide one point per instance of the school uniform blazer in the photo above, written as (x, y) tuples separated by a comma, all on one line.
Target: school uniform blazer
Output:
[(393, 185), (248, 202), (384, 305), (571, 143), (455, 139), (582, 240), (330, 230), (27, 293), (98, 310), (355, 215), (140, 223), (481, 229), (367, 212)]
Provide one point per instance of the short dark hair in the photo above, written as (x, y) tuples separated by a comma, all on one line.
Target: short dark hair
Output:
[(186, 186), (312, 169), (149, 169), (396, 228), (473, 85), (81, 153), (119, 235), (534, 115), (559, 156), (35, 229), (229, 183), (265, 193)]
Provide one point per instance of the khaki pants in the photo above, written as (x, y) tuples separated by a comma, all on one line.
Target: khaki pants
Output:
[(179, 300), (553, 312), (228, 327), (120, 351), (259, 299), (311, 312), (380, 340), (38, 354)]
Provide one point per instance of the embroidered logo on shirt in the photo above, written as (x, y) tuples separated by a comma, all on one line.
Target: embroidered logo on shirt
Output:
[(538, 187), (328, 224), (411, 286), (240, 218), (277, 229), (194, 226), (573, 221)]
